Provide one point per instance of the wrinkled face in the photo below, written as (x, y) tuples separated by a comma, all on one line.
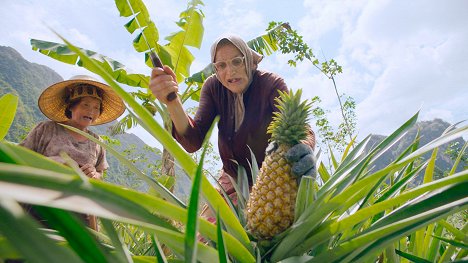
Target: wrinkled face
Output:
[(231, 73), (85, 112)]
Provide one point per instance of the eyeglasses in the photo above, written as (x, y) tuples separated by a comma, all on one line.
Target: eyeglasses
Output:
[(235, 63)]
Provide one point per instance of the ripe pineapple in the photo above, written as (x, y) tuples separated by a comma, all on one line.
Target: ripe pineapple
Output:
[(270, 209)]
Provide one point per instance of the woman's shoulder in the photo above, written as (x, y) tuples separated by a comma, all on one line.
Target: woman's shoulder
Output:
[(266, 75), (211, 81), (267, 79), (46, 125), (212, 85)]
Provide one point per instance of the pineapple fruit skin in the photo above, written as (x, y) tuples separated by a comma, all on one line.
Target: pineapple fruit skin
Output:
[(270, 209)]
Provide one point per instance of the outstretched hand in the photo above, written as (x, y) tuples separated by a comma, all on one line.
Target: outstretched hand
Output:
[(303, 159)]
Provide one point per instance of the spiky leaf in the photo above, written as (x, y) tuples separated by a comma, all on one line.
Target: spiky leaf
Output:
[(289, 125)]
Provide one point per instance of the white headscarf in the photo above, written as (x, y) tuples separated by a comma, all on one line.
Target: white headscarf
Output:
[(251, 59)]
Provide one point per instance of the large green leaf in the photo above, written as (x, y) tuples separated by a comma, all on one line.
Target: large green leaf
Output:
[(23, 233), (74, 231), (223, 258), (147, 34), (163, 191), (191, 23), (413, 258), (306, 195), (122, 255), (81, 196), (11, 153), (184, 59), (47, 188), (8, 104), (175, 53), (192, 213), (117, 70)]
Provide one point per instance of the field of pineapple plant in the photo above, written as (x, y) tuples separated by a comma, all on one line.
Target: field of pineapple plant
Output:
[(348, 211), (349, 214)]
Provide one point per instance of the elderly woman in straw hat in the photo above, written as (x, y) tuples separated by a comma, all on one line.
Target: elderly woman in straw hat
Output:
[(80, 102), (242, 95)]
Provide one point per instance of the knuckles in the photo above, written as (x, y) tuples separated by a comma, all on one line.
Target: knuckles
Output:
[(298, 151), (304, 166)]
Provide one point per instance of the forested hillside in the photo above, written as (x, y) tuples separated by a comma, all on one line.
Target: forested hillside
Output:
[(26, 80)]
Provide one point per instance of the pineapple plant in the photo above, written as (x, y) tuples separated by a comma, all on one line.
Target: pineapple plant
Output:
[(270, 208)]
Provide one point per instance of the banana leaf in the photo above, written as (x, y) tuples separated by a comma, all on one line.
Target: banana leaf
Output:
[(117, 70), (8, 105)]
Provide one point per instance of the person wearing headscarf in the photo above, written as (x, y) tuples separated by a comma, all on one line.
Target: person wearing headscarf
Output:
[(241, 94), (80, 102)]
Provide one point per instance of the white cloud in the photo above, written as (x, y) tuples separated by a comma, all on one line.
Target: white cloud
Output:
[(237, 17), (324, 16), (397, 57)]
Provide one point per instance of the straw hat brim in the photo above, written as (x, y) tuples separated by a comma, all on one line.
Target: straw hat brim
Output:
[(52, 101)]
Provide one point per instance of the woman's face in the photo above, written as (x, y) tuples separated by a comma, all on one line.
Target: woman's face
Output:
[(85, 112), (231, 73)]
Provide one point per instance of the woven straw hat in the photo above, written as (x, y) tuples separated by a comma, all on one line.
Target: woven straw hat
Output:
[(53, 100)]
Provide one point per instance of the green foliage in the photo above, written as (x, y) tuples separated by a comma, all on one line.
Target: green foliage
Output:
[(335, 138), (63, 53), (174, 53), (8, 104), (290, 42), (336, 221)]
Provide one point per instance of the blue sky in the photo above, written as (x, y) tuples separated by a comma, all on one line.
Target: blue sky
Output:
[(398, 56)]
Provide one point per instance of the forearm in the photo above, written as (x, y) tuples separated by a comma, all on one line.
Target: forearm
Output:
[(178, 116)]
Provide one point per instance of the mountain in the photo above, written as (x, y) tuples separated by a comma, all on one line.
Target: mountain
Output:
[(428, 131), (27, 80)]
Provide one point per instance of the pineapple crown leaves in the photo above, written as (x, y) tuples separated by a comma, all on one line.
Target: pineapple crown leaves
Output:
[(289, 125)]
